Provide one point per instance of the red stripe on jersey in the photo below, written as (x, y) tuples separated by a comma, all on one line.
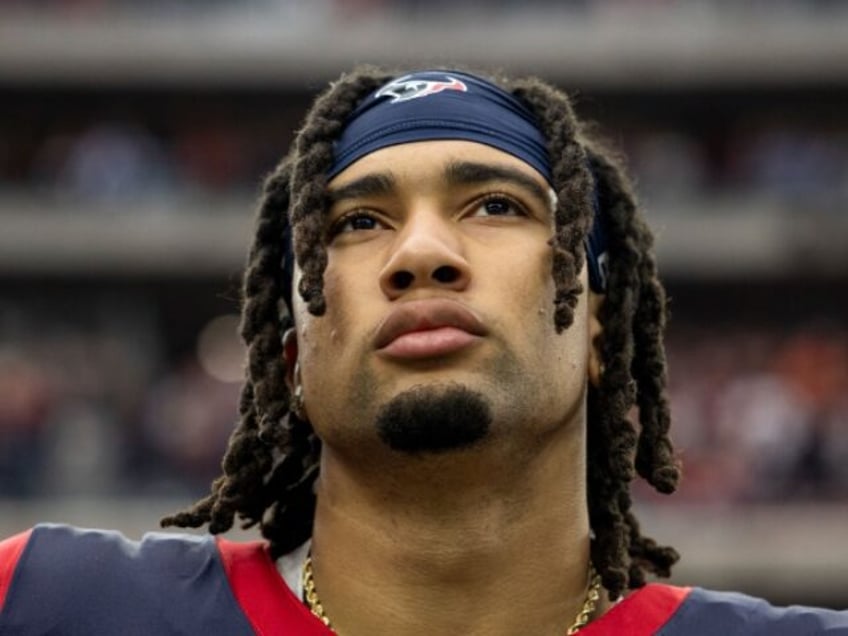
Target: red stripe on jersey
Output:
[(10, 553), (262, 593), (642, 613), (273, 610)]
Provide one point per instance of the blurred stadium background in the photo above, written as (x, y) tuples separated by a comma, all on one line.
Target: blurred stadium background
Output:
[(133, 138)]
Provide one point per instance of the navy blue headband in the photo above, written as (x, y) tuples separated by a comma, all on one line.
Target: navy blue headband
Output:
[(433, 105)]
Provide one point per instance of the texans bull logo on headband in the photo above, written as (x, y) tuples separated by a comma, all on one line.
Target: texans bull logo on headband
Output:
[(404, 89)]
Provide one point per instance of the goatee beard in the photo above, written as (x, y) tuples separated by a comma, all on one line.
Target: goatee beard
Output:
[(434, 419)]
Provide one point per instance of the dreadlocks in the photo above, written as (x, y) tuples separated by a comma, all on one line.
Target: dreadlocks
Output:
[(272, 459)]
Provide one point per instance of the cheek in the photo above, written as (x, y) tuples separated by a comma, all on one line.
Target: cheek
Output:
[(337, 325), (326, 341), (573, 344), (564, 354), (530, 285)]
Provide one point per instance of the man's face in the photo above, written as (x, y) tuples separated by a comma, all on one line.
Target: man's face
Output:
[(438, 287)]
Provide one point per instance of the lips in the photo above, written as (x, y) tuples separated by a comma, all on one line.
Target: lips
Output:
[(422, 328)]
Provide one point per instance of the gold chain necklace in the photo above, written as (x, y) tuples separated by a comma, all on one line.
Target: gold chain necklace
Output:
[(593, 594)]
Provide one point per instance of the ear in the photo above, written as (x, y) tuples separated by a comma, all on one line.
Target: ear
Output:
[(596, 338), (290, 357)]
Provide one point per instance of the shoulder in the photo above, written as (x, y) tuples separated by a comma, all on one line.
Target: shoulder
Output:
[(731, 613), (10, 553), (667, 610), (89, 579), (95, 554)]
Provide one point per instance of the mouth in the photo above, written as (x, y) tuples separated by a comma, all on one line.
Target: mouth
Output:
[(428, 328)]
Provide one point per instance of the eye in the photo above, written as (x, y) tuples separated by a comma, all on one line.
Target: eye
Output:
[(498, 205), (356, 221)]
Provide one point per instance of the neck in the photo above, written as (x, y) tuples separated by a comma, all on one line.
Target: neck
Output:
[(476, 542)]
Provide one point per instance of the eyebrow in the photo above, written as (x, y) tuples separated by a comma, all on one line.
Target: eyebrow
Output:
[(457, 173), (377, 184), (472, 173)]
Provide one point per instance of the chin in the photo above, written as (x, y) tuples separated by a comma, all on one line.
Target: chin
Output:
[(434, 419)]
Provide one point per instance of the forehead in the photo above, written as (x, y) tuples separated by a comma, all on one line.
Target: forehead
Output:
[(431, 159)]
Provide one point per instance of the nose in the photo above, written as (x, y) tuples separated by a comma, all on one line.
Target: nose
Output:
[(428, 253)]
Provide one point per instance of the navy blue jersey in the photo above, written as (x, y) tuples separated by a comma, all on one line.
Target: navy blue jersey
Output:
[(62, 581)]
